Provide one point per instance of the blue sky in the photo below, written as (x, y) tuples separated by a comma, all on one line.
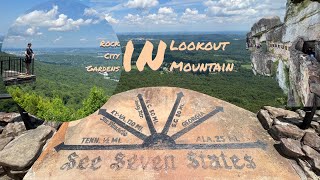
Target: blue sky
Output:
[(60, 22), (166, 15)]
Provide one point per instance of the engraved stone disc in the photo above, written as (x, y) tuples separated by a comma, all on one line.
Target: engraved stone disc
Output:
[(163, 133)]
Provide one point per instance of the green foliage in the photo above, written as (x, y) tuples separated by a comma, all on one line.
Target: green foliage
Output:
[(54, 109), (62, 92), (241, 88), (274, 68), (93, 102), (287, 76)]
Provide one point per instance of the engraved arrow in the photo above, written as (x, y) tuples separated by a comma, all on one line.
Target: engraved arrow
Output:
[(196, 123), (147, 115), (62, 146), (122, 124), (248, 145), (172, 113)]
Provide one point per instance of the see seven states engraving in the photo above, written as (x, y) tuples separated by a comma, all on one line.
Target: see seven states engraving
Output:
[(161, 133)]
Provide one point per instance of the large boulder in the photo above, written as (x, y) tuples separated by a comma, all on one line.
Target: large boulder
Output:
[(314, 157), (54, 124), (265, 119), (24, 150), (4, 142), (265, 23), (286, 131), (291, 148), (312, 140), (13, 129), (9, 117), (307, 169), (279, 112)]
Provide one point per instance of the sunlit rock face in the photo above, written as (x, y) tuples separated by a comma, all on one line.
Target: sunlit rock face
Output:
[(302, 19), (280, 50), (281, 76)]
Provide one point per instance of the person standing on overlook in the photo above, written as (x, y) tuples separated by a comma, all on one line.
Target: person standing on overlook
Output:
[(29, 57)]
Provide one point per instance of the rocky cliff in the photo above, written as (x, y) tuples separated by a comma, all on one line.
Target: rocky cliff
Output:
[(290, 51)]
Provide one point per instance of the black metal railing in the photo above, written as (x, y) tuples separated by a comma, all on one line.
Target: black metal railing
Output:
[(310, 112), (13, 66)]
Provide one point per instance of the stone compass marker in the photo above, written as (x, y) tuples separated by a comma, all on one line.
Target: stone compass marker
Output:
[(163, 133)]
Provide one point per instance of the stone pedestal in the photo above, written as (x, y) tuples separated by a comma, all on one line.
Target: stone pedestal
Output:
[(163, 133)]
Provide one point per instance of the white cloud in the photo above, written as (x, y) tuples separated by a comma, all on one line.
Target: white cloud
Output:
[(57, 39), (100, 16), (144, 4), (50, 19), (38, 18), (31, 31), (165, 10), (15, 39), (70, 24), (192, 15), (133, 19), (225, 8), (83, 39), (110, 19), (238, 10), (164, 16), (90, 12)]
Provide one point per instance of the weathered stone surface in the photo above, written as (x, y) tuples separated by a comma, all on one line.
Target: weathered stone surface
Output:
[(23, 151), (262, 63), (54, 124), (301, 113), (279, 112), (286, 131), (294, 121), (291, 148), (266, 23), (265, 119), (151, 156), (307, 169), (278, 122), (315, 125), (315, 88), (9, 117), (312, 140), (302, 19), (5, 177), (14, 129), (314, 156), (4, 142), (301, 25), (300, 171)]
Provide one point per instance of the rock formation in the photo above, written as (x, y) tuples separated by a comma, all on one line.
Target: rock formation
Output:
[(290, 51), (301, 145), (19, 147)]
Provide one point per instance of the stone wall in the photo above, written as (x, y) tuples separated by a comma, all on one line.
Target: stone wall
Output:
[(280, 49)]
